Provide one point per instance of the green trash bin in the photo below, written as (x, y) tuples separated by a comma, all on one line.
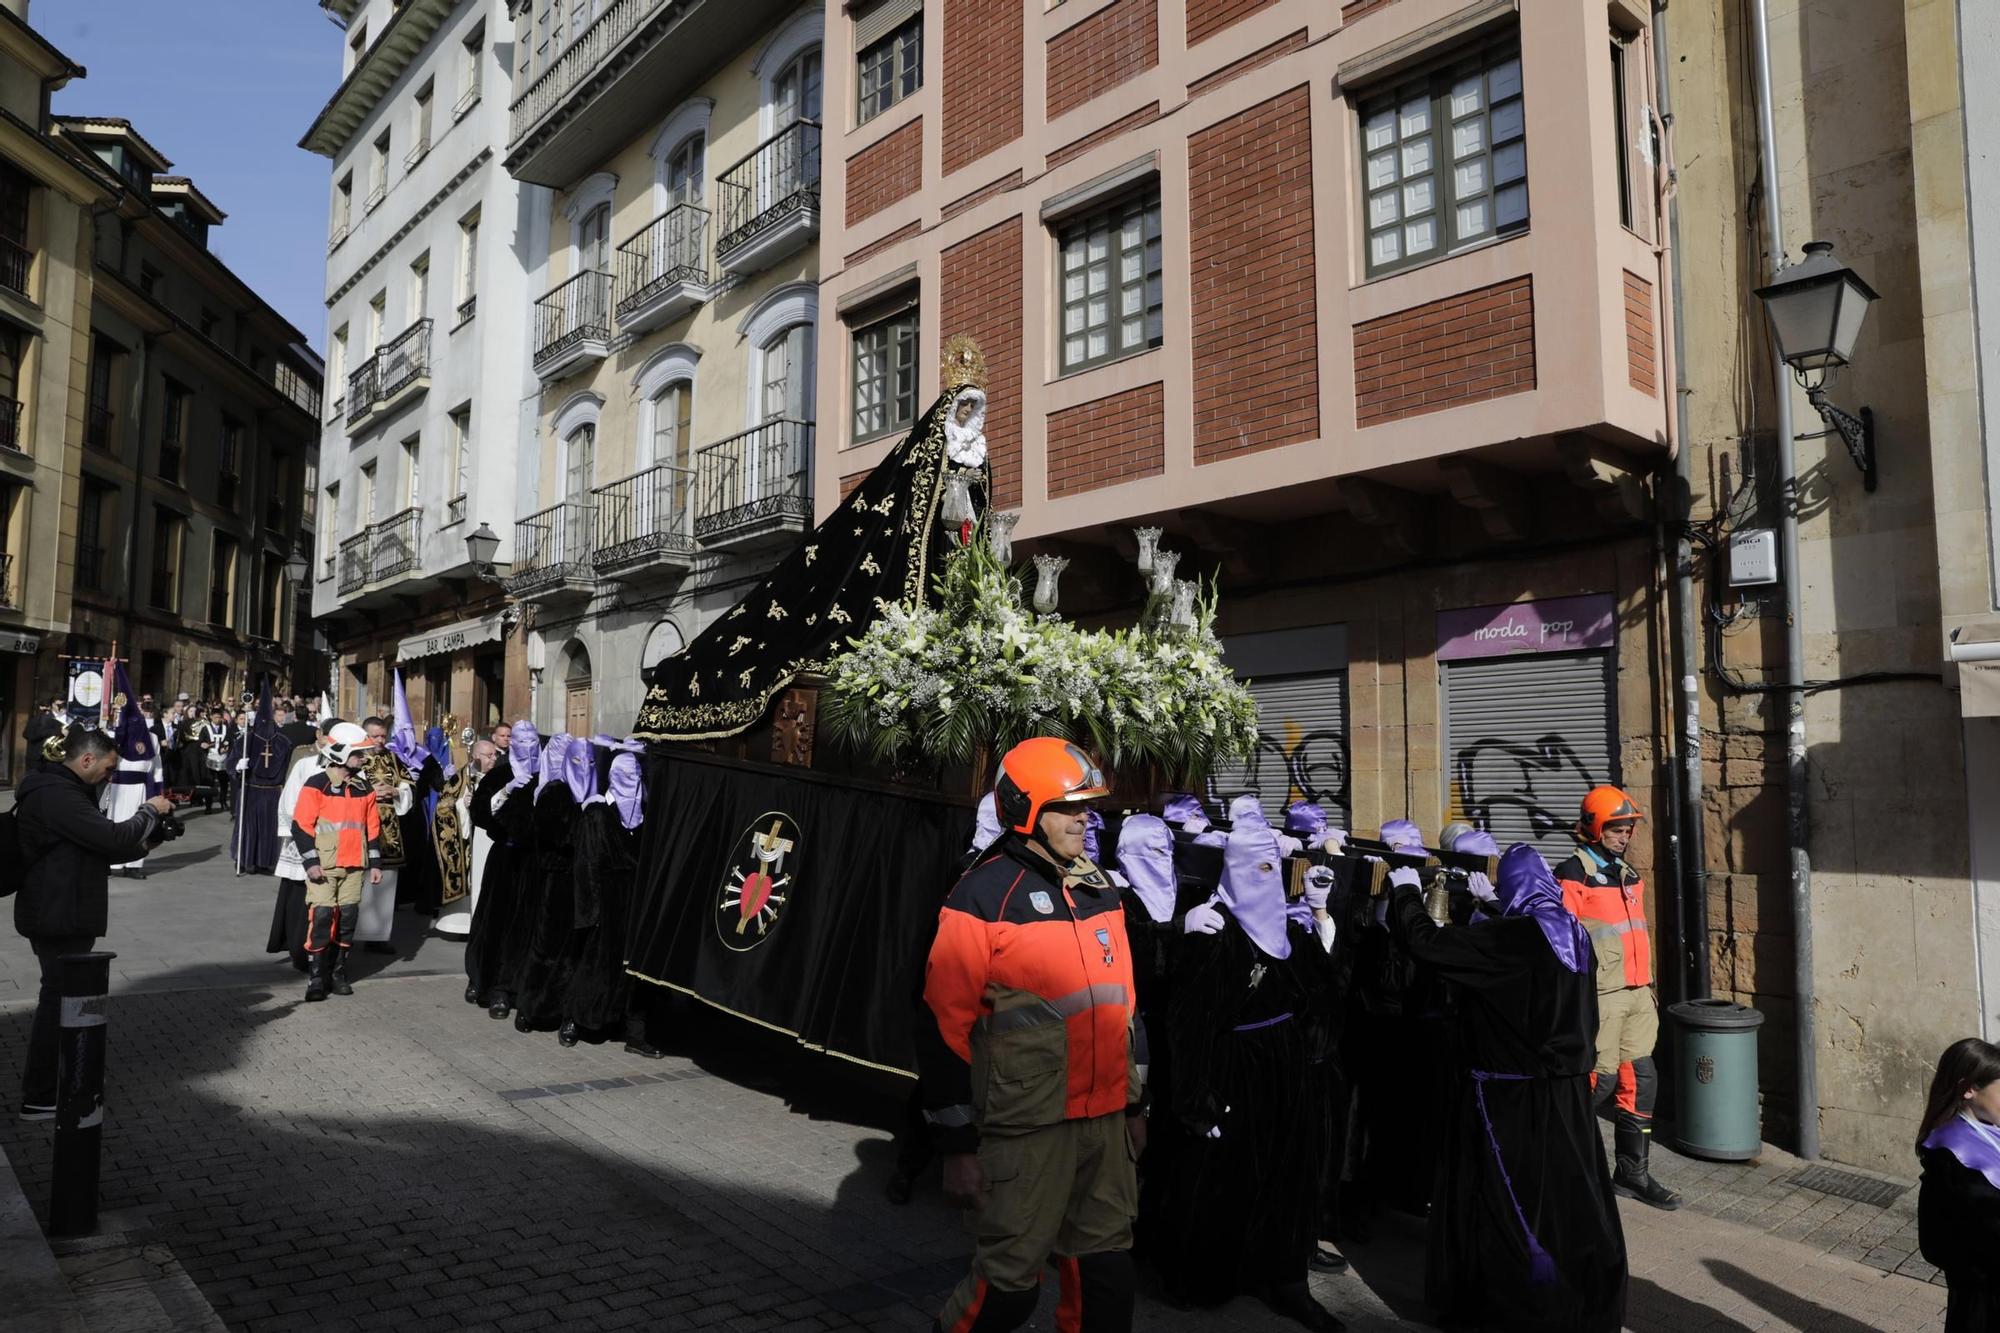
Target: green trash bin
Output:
[(1715, 1078)]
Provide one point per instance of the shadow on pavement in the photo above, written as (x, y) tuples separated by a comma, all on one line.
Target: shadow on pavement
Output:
[(1784, 1304), (1670, 1312)]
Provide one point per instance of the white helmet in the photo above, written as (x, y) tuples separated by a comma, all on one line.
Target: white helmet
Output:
[(344, 742)]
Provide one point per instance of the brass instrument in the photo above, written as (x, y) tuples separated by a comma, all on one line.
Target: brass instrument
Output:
[(381, 766)]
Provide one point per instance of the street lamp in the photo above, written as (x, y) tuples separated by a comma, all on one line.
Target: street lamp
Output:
[(481, 545), (297, 568), (1816, 308)]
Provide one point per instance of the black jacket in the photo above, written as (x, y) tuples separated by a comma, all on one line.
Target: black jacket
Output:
[(68, 848)]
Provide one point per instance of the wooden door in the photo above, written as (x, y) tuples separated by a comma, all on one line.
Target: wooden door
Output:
[(576, 714)]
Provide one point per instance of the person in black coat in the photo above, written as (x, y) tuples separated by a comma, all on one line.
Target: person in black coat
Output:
[(1958, 1203), (600, 998), (540, 954), (1524, 1231), (63, 904), (504, 805), (43, 727)]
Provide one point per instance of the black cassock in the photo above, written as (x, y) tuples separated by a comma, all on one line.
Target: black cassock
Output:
[(1521, 1153), (419, 885), (1958, 1227), (537, 945), (606, 859), (254, 838), (1236, 1213), (510, 865)]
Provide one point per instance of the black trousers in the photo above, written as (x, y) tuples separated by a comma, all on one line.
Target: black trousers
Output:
[(38, 1080)]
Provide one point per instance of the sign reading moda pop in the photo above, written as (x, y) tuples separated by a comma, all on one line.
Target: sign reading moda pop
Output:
[(1554, 625)]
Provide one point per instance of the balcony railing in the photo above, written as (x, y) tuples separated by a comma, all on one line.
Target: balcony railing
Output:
[(760, 474), (7, 598), (643, 514), (15, 261), (397, 545), (296, 387), (335, 236), (553, 546), (362, 390), (671, 249), (618, 21), (10, 425), (376, 196), (97, 427), (468, 308), (777, 181), (579, 311), (406, 360), (418, 151), (354, 562), (466, 101), (454, 510)]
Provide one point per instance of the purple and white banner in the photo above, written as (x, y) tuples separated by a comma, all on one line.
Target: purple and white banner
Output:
[(1552, 625)]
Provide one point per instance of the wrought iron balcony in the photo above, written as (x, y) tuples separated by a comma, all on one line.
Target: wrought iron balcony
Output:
[(7, 597), (663, 269), (361, 391), (552, 551), (391, 376), (754, 488), (580, 60), (768, 204), (573, 325), (642, 522), (15, 262), (354, 554), (10, 425), (397, 545)]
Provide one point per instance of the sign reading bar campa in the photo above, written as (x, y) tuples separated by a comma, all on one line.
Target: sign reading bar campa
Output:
[(1554, 625), (451, 638)]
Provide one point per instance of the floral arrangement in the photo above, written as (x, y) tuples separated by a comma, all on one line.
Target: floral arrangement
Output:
[(978, 668)]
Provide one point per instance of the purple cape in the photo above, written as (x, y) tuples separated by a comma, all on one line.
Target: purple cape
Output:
[(627, 795), (1527, 888), (1253, 889), (1146, 859), (555, 757), (1973, 1142)]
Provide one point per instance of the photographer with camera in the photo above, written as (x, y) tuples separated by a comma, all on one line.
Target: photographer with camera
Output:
[(67, 850)]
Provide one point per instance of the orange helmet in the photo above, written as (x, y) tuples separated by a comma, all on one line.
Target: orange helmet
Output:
[(1603, 807), (1041, 772)]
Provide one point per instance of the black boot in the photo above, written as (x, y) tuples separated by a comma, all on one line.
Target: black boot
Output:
[(337, 981), (566, 1034), (521, 1023), (344, 920), (500, 1007), (472, 996), (315, 977), (1634, 1177)]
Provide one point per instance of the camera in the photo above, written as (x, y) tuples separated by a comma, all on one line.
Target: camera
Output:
[(166, 829)]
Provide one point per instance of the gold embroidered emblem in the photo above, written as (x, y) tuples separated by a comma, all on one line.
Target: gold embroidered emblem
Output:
[(694, 687), (838, 616), (742, 642), (812, 554), (776, 612), (868, 565), (744, 679)]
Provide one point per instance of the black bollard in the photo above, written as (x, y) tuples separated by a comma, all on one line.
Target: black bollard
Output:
[(86, 979)]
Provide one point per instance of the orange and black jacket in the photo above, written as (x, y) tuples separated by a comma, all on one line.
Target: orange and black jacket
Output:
[(337, 824), (1028, 1001), (1608, 896)]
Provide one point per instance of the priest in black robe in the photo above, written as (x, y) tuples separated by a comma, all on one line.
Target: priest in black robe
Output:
[(504, 806), (1524, 1230), (600, 1001), (548, 918), (1252, 1015)]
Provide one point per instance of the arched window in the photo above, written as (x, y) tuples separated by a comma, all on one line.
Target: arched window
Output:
[(795, 92), (788, 375), (673, 424), (662, 641)]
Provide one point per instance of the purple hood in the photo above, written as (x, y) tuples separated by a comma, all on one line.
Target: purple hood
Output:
[(1527, 888), (627, 795), (555, 760), (1146, 859), (1253, 889)]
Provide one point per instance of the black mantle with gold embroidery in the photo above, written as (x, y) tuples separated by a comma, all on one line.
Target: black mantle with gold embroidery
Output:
[(880, 546)]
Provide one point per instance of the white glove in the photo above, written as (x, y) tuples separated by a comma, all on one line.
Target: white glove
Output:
[(1288, 845), (1319, 885), (1203, 920), (1481, 887), (1403, 877), (243, 765)]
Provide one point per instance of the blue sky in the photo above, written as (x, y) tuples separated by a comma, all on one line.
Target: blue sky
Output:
[(225, 89)]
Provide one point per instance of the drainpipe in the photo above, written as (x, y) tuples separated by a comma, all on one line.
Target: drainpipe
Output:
[(1693, 851), (1796, 794)]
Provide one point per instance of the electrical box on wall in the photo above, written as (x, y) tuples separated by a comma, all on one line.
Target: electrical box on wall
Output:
[(1753, 558)]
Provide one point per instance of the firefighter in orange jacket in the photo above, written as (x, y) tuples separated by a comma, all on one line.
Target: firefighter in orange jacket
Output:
[(337, 828), (1601, 890), (1033, 1065)]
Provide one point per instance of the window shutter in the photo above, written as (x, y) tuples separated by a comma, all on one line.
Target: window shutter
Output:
[(883, 18), (1525, 738), (1301, 748)]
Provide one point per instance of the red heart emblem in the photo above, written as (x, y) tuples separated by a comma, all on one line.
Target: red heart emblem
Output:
[(757, 888)]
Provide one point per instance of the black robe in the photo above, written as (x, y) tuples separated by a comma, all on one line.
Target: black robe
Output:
[(1520, 1147), (510, 865), (253, 835), (1958, 1229), (537, 946), (1238, 1212), (418, 883), (606, 860)]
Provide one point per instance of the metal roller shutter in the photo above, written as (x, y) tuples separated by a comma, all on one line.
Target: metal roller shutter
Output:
[(1301, 749), (1525, 738), (881, 19)]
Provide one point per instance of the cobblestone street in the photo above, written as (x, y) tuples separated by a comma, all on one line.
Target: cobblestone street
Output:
[(399, 1160)]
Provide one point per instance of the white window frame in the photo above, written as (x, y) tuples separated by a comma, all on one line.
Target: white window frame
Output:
[(806, 30), (672, 364), (598, 190), (690, 118), (794, 303)]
